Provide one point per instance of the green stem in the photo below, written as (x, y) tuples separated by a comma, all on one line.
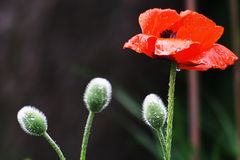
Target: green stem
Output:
[(86, 135), (54, 146), (171, 90), (162, 142)]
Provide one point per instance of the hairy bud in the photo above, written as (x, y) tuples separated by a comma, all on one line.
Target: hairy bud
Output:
[(154, 111), (98, 94), (32, 121)]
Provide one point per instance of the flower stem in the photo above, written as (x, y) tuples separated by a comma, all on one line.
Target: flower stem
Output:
[(54, 146), (86, 135), (162, 142), (171, 90)]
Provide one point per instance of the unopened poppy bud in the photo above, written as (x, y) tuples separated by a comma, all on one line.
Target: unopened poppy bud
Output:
[(32, 121), (154, 111), (98, 94)]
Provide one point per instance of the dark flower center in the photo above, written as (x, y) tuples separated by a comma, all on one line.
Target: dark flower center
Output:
[(168, 34)]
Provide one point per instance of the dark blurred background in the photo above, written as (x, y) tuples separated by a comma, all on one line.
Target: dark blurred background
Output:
[(51, 49)]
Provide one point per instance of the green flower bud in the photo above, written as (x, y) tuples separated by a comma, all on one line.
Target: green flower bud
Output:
[(154, 111), (32, 121), (98, 94)]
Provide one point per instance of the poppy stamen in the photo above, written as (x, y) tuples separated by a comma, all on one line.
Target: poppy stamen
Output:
[(168, 34)]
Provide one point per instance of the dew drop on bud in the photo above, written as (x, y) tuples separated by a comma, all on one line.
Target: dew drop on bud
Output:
[(178, 70)]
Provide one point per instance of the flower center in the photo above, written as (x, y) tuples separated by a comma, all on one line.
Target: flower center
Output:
[(168, 34)]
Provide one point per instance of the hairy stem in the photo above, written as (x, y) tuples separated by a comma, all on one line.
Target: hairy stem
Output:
[(86, 135), (54, 146), (171, 90), (162, 142)]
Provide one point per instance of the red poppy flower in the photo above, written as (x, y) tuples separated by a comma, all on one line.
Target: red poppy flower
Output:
[(188, 38)]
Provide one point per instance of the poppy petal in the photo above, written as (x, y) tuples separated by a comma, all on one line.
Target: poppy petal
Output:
[(217, 56), (189, 56), (170, 46), (197, 27), (155, 21), (142, 43), (200, 67)]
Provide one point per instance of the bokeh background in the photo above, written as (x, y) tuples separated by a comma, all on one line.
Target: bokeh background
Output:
[(51, 49)]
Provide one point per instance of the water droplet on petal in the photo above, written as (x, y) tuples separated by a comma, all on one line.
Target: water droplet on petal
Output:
[(178, 70)]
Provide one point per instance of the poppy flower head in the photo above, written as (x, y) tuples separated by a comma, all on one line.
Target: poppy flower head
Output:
[(188, 38)]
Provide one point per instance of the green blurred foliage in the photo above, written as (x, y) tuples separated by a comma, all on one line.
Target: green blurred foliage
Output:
[(217, 128)]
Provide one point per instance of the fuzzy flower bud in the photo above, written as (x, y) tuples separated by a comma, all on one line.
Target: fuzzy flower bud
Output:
[(154, 111), (98, 94), (32, 121)]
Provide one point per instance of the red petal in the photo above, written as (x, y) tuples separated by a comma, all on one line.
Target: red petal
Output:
[(170, 46), (197, 27), (217, 56), (155, 21), (196, 67), (142, 43), (189, 56)]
